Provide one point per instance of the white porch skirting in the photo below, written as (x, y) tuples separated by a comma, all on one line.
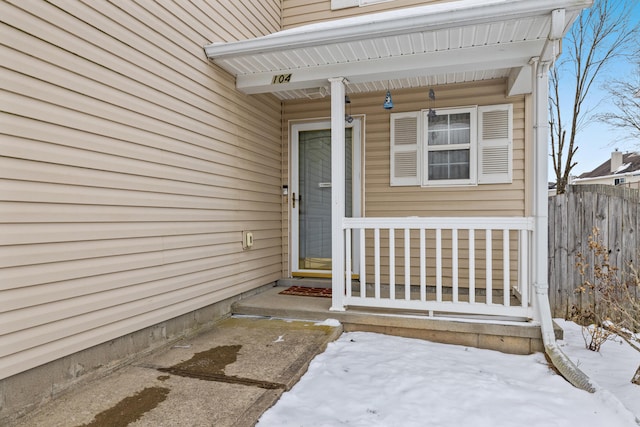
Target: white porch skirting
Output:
[(475, 266)]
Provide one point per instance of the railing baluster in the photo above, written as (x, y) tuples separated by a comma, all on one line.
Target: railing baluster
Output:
[(376, 250), (423, 266), (407, 264), (438, 264), (363, 263), (454, 264), (489, 271), (506, 272), (523, 262), (472, 266), (347, 263), (392, 263)]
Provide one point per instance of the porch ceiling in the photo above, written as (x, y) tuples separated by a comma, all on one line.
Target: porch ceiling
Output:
[(452, 42)]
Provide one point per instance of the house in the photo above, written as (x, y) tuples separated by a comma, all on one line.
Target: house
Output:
[(622, 169), (162, 160)]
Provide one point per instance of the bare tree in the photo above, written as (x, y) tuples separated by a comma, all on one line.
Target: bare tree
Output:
[(625, 96), (600, 35)]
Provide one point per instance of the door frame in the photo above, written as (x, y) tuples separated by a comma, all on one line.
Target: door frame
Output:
[(357, 189)]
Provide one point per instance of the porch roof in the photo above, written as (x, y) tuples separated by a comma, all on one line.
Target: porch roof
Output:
[(451, 42)]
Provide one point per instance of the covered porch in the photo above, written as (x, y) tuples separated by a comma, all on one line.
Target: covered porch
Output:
[(461, 266)]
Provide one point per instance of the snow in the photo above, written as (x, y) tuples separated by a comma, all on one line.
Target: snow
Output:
[(367, 379), (611, 368), (329, 322), (622, 168)]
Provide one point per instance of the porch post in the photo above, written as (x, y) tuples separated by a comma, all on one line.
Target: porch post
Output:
[(540, 206), (337, 192)]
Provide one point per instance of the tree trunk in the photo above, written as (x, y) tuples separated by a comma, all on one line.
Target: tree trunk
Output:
[(636, 377)]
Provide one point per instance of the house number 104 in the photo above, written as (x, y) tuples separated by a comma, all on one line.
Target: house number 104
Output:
[(280, 79)]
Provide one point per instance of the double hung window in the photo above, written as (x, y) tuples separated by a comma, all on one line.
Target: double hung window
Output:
[(450, 147), (456, 146)]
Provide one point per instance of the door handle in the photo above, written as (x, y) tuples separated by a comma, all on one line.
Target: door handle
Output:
[(293, 199)]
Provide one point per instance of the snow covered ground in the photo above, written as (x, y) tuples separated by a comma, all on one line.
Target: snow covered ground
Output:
[(611, 368), (366, 379)]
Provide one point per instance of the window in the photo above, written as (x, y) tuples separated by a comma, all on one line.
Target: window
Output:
[(457, 146), (450, 147)]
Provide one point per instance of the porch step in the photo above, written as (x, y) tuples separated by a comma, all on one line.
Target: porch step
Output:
[(309, 282), (503, 335)]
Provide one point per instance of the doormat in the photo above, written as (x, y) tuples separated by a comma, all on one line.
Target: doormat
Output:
[(307, 292)]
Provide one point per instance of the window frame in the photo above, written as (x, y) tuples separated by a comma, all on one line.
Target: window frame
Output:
[(472, 146)]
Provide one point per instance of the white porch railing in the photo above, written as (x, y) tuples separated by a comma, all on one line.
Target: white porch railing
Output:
[(448, 265)]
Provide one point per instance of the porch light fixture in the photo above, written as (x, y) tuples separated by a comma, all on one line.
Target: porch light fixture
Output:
[(432, 101), (347, 117)]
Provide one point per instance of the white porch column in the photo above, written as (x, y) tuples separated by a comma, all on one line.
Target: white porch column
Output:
[(337, 192), (540, 206)]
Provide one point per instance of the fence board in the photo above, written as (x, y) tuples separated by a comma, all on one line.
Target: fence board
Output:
[(572, 218)]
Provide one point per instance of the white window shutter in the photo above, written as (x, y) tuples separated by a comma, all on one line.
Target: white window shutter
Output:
[(495, 144), (405, 149)]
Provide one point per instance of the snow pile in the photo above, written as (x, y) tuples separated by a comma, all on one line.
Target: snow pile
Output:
[(366, 379), (611, 368), (329, 322), (622, 168)]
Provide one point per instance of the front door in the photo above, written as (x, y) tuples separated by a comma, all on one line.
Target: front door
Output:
[(310, 198)]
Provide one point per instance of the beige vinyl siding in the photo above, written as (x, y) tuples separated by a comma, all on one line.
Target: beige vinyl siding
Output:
[(129, 167), (303, 12), (382, 200)]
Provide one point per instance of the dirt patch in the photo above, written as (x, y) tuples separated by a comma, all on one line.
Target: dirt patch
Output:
[(209, 365), (212, 361), (130, 409)]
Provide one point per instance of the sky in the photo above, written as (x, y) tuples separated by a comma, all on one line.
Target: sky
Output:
[(373, 380), (597, 140)]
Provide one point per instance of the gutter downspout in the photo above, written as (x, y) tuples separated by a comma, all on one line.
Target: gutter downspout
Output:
[(540, 253)]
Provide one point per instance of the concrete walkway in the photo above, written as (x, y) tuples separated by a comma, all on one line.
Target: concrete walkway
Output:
[(226, 376)]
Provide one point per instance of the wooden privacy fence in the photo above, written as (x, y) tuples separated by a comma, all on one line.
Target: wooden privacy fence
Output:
[(572, 217)]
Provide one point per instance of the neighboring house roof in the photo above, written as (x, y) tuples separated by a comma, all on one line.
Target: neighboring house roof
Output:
[(630, 164), (450, 42)]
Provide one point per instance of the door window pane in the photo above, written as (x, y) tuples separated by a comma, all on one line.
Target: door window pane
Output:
[(314, 200)]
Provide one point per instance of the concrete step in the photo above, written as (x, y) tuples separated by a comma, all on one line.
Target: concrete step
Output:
[(309, 282), (517, 337)]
